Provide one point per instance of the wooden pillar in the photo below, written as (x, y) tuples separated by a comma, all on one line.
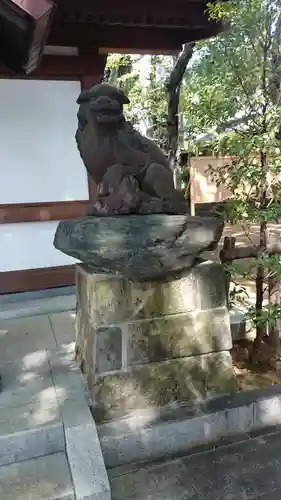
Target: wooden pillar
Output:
[(88, 80)]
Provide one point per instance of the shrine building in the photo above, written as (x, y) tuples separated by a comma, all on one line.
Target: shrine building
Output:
[(43, 179)]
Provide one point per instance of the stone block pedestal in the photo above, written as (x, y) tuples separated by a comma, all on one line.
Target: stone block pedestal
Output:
[(147, 345)]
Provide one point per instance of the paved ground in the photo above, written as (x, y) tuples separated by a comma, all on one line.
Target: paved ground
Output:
[(243, 471), (28, 304), (27, 336), (36, 403)]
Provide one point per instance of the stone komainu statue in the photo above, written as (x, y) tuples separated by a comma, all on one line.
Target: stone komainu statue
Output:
[(132, 173)]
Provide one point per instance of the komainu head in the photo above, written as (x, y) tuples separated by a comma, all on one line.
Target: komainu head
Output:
[(100, 122)]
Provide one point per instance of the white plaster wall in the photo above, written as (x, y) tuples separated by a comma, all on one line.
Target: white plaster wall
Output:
[(30, 245), (39, 160)]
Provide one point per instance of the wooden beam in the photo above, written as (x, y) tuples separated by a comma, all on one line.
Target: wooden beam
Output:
[(36, 212), (36, 279), (91, 78), (147, 13), (148, 39), (121, 50), (124, 5), (230, 254), (55, 67)]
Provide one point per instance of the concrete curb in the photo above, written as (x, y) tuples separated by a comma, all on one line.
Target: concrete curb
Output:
[(37, 307), (86, 463), (145, 437), (82, 445)]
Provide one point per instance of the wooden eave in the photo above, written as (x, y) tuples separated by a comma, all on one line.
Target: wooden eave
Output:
[(144, 25)]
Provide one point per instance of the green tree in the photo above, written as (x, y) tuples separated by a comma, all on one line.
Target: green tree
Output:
[(155, 101), (155, 98), (122, 70), (148, 96), (235, 80)]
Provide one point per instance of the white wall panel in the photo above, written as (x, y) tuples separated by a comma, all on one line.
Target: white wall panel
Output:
[(29, 245), (39, 160)]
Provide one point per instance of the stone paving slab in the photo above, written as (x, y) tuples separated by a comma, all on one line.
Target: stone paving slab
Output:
[(25, 445), (29, 416), (273, 495), (44, 478), (23, 386), (63, 326), (244, 471), (30, 419), (22, 336), (44, 412)]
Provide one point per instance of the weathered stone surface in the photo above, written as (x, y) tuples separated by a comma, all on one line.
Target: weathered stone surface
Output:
[(142, 345), (248, 470), (86, 463), (85, 341), (35, 442), (139, 247), (152, 435), (43, 478), (108, 349), (110, 300), (178, 336), (145, 341), (210, 285), (132, 173), (105, 299), (162, 298), (98, 348), (155, 385)]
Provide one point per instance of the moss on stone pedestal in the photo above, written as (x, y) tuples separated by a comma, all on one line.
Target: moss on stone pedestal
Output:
[(153, 344), (182, 380)]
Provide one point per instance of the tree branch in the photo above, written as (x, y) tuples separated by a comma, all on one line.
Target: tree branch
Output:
[(173, 86)]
